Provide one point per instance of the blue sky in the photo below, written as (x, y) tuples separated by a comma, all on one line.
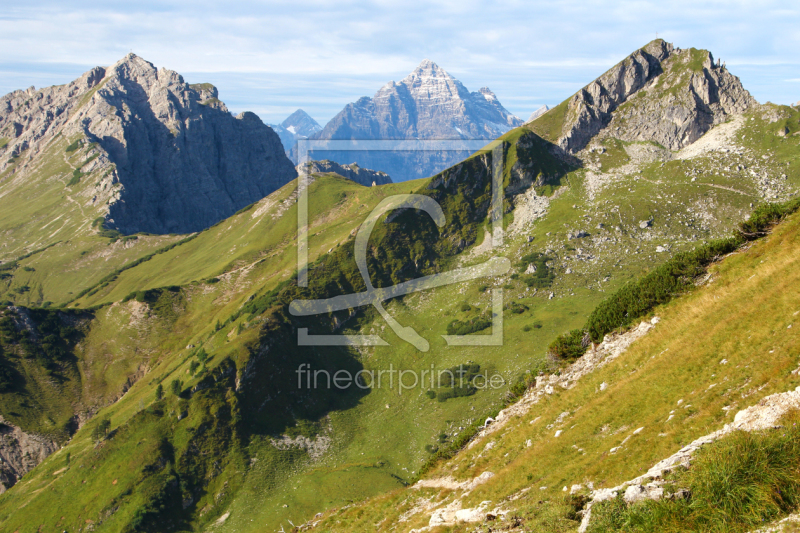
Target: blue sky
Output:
[(273, 57)]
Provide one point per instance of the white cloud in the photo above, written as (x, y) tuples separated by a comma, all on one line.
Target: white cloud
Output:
[(319, 54)]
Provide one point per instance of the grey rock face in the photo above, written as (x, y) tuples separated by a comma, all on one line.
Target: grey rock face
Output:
[(29, 117), (181, 160), (298, 125), (428, 104), (20, 452), (656, 94), (364, 176)]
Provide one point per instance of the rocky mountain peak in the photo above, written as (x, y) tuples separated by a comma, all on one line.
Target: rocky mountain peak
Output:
[(428, 69), (301, 124), (659, 93), (538, 113), (298, 125), (427, 82), (429, 103), (135, 69), (487, 93), (169, 157)]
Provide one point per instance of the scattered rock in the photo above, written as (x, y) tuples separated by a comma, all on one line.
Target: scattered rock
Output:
[(577, 234), (353, 172), (764, 415), (315, 447)]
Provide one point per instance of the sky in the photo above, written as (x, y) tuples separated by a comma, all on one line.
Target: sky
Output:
[(274, 57)]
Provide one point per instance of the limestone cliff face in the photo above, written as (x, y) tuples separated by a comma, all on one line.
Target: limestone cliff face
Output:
[(429, 104), (657, 94), (179, 160), (29, 117), (20, 452), (364, 176)]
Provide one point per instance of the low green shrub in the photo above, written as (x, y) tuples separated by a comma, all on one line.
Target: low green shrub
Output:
[(74, 145), (669, 280), (76, 177), (465, 327), (517, 308), (638, 298), (569, 346), (543, 276)]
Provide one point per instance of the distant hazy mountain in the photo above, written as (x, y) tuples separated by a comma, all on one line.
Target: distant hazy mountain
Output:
[(428, 104), (298, 125), (538, 113)]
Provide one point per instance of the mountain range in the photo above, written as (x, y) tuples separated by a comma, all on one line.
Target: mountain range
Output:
[(149, 381)]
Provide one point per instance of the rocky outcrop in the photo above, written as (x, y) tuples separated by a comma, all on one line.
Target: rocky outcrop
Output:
[(364, 176), (658, 94), (427, 104), (29, 117), (178, 161), (20, 452)]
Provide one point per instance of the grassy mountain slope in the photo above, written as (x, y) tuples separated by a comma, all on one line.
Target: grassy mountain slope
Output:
[(51, 246), (715, 351)]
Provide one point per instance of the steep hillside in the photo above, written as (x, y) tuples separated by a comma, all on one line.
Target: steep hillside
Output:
[(636, 398), (162, 156), (429, 103)]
